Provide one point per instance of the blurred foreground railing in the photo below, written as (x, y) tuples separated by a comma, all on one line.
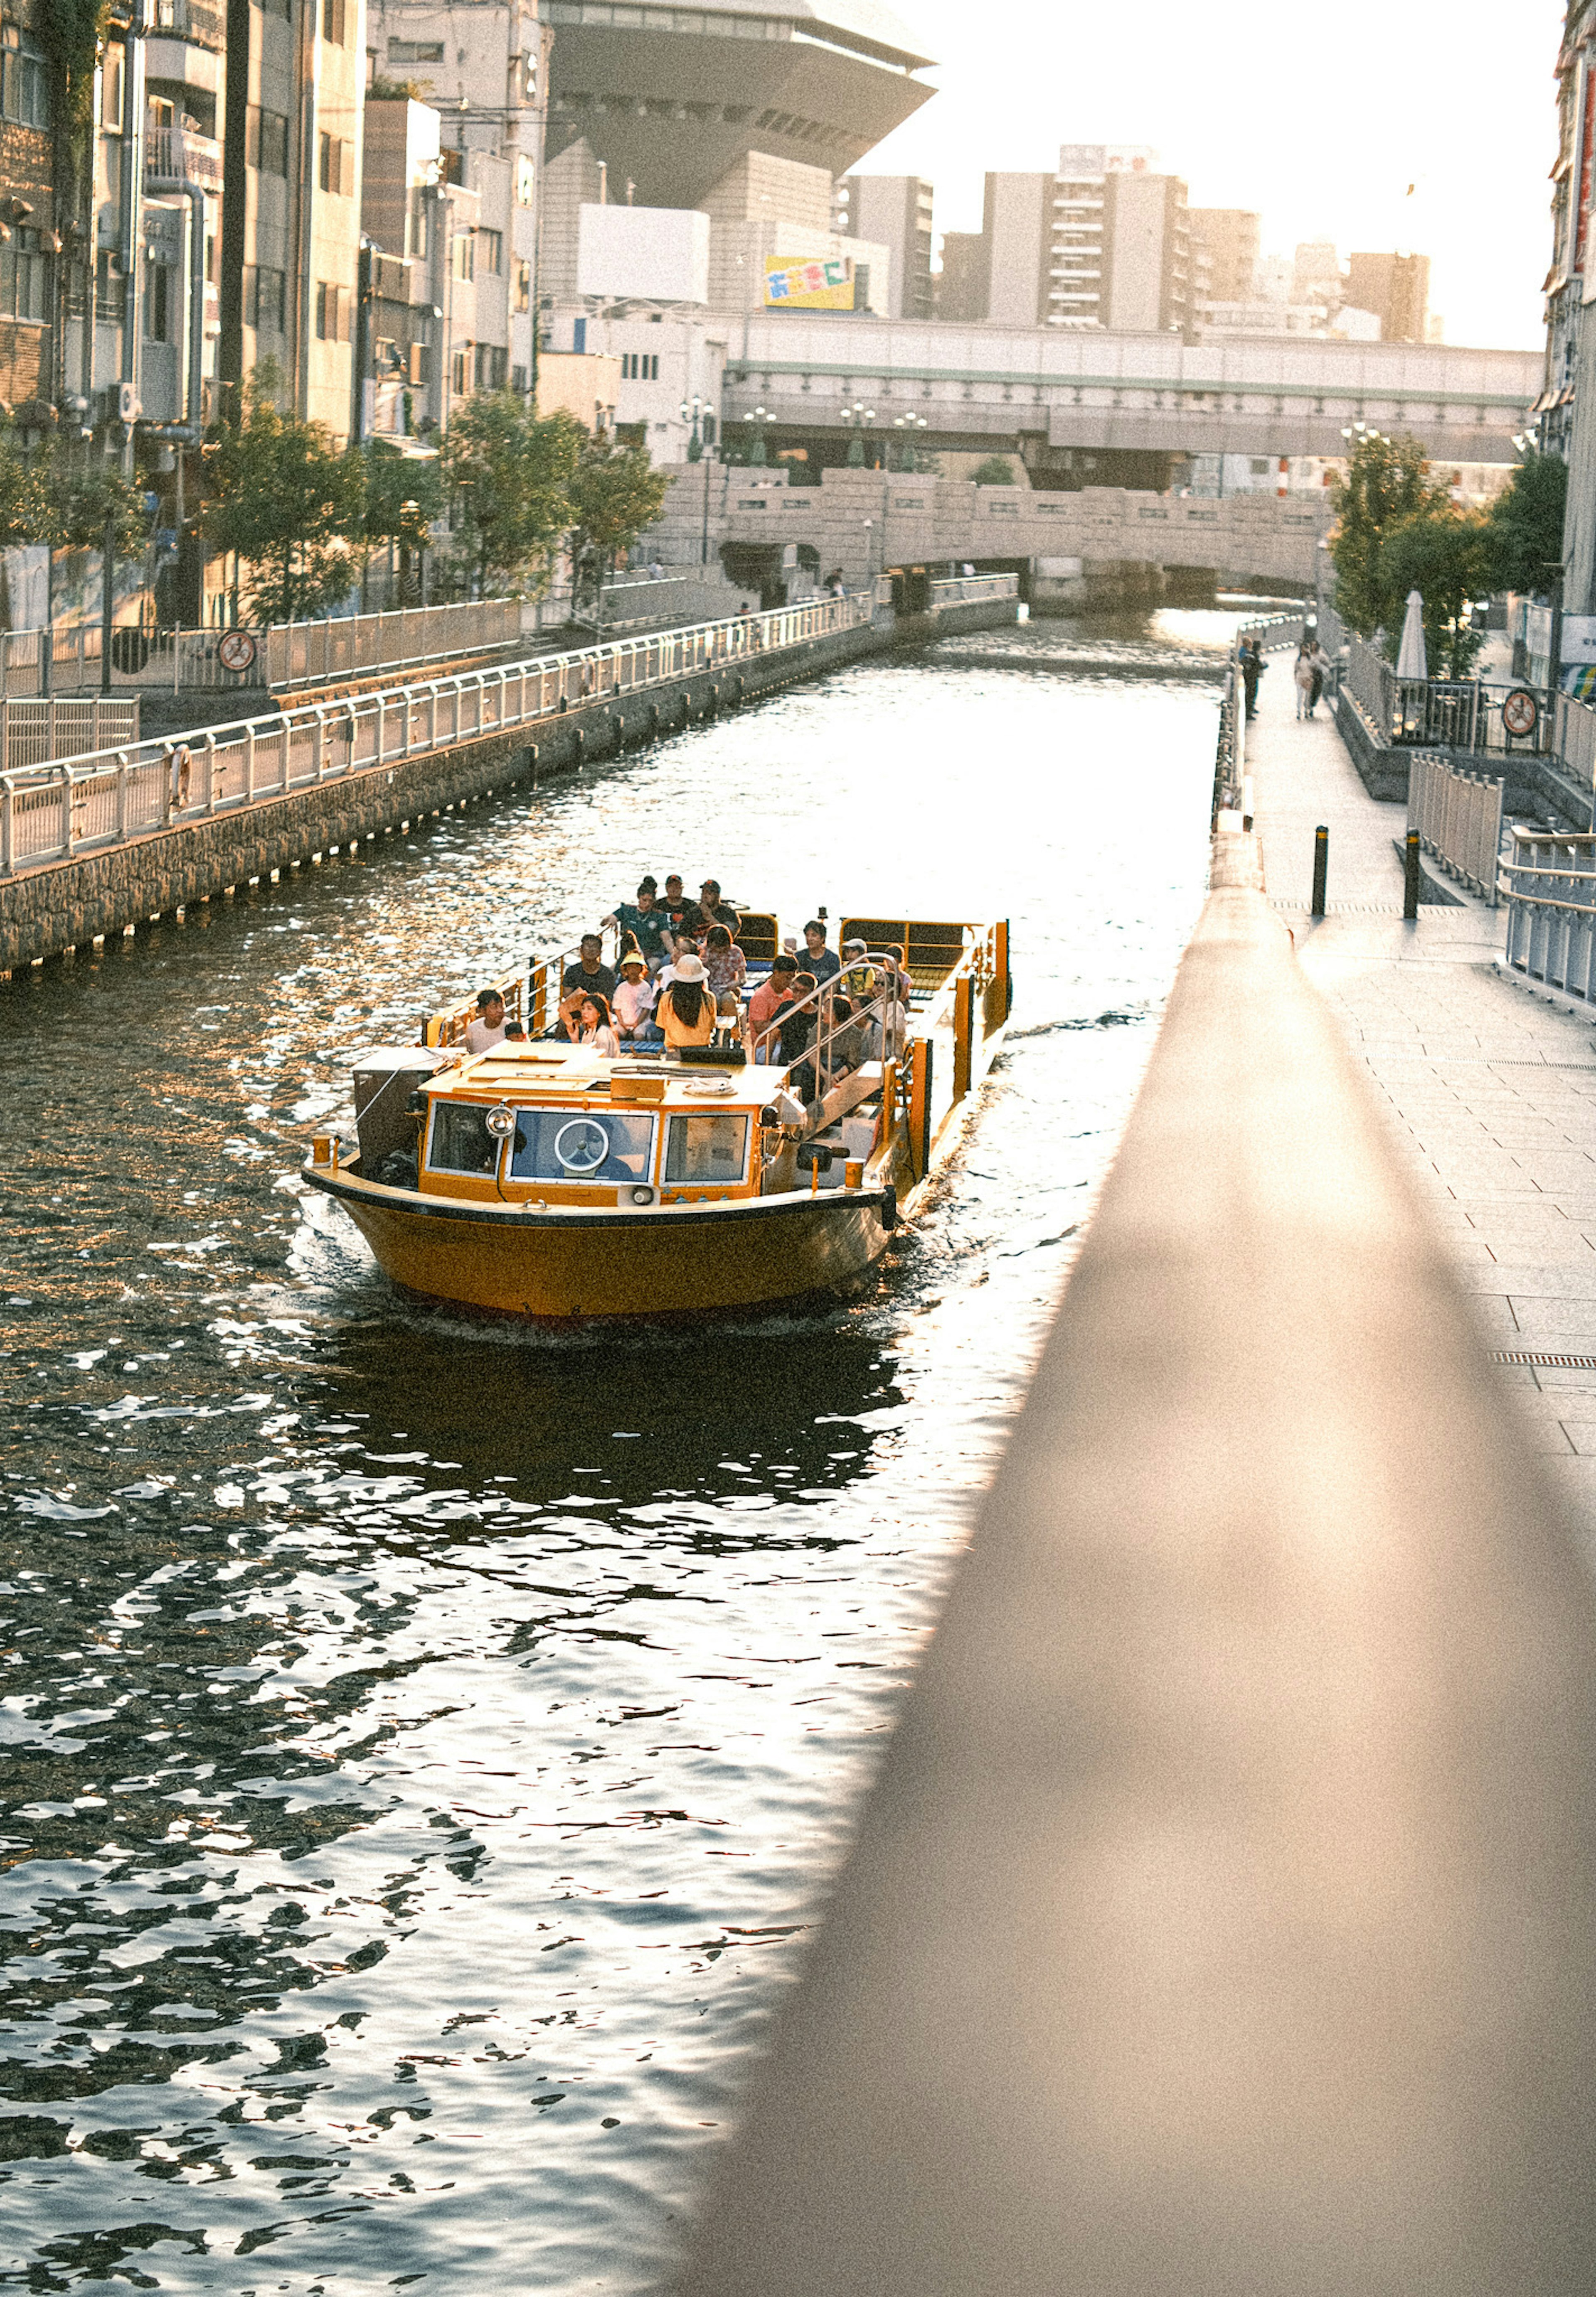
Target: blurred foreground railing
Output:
[(1548, 888), (1223, 1914)]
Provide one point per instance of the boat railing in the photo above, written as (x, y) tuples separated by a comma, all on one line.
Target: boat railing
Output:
[(829, 1056), (448, 1027)]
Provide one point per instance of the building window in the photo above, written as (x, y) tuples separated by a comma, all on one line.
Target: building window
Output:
[(24, 84), (23, 275), (490, 369), (334, 21), (332, 313), (266, 299), (518, 382), (337, 172), (525, 183), (524, 287), (110, 292), (459, 374), (416, 52), (639, 366), (111, 64), (267, 147), (463, 263), (490, 250), (158, 300)]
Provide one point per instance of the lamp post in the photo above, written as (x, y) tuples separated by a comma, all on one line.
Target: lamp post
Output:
[(909, 424), (858, 418), (692, 411), (756, 453)]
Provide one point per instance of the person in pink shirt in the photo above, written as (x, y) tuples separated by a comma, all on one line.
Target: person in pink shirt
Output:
[(772, 992)]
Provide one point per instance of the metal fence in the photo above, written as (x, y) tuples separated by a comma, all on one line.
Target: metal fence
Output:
[(1219, 1916), (1274, 632), (960, 589), (1549, 881), (1574, 738), (1453, 713), (31, 733), (1457, 815), (91, 802)]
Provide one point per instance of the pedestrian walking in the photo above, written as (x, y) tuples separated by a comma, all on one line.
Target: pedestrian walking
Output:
[(1302, 672), (1322, 670)]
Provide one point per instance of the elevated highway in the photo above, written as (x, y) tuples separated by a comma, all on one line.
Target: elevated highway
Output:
[(1056, 396), (762, 528)]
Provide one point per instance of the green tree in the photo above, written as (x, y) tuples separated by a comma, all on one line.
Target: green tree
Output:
[(398, 496), (616, 492), (1445, 553), (1527, 525), (21, 493), (75, 497), (284, 501), (997, 471), (508, 472), (1387, 482)]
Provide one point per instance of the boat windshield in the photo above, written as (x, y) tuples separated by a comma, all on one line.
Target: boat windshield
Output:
[(460, 1139), (706, 1147), (569, 1144)]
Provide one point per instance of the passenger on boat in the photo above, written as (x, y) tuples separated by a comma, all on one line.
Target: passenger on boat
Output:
[(857, 978), (845, 1048), (515, 1034), (794, 1023), (686, 1010), (901, 975), (725, 964), (568, 1027), (633, 1007), (817, 958), (590, 971), (489, 1027), (768, 999), (597, 1031), (645, 921), (709, 909)]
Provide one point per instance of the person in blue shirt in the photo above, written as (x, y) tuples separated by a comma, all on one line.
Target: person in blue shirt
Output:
[(818, 959), (648, 926)]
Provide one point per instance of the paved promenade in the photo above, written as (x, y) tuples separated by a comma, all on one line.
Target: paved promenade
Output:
[(1491, 1091)]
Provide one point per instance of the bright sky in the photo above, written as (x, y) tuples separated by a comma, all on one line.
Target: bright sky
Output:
[(1317, 117)]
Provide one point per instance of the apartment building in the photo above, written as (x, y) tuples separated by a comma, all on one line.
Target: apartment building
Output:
[(1104, 242), (895, 212), (1229, 241)]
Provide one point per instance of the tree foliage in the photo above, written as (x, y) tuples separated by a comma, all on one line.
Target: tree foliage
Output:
[(1445, 553), (1386, 484), (284, 500), (1527, 525), (997, 471), (508, 472), (398, 497), (614, 493)]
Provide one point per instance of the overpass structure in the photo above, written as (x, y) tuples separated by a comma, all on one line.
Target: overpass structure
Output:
[(766, 531), (1058, 396)]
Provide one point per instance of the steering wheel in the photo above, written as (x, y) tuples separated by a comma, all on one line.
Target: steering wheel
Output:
[(582, 1145)]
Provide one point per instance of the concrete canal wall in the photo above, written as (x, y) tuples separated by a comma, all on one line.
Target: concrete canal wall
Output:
[(49, 910)]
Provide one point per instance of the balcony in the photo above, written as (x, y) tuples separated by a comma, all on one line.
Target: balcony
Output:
[(190, 20), (173, 155)]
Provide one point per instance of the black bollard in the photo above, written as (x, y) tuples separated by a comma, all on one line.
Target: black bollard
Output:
[(1409, 892), (1321, 863)]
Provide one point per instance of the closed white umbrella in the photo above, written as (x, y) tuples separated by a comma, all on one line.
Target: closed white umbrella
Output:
[(1412, 660)]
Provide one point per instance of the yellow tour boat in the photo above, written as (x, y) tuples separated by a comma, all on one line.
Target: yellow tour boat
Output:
[(542, 1179)]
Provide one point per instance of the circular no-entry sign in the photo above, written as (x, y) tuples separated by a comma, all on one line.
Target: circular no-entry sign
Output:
[(1520, 712), (237, 650)]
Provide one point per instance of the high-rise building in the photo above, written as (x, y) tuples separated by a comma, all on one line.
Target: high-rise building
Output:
[(1396, 288), (963, 283), (1316, 276), (1232, 239), (893, 212), (1103, 243)]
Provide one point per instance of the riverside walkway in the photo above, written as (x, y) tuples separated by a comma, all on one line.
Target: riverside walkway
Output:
[(1491, 1090)]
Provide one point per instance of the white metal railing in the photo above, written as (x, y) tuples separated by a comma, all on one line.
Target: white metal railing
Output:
[(1549, 885), (173, 155), (1372, 683), (284, 654), (1457, 815), (92, 803), (1574, 737), (1273, 631), (32, 733)]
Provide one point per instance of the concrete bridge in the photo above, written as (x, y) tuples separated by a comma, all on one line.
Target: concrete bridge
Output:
[(1056, 395), (766, 531)]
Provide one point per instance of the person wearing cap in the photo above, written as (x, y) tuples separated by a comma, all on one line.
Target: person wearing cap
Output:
[(633, 1008), (815, 957), (687, 1010), (489, 1027), (709, 909), (858, 979)]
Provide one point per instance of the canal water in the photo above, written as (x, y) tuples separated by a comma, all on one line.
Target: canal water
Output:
[(426, 1742)]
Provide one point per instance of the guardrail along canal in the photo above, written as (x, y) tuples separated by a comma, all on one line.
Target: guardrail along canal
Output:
[(427, 1742)]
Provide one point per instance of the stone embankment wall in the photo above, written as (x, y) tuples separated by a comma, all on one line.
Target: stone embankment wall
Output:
[(117, 890)]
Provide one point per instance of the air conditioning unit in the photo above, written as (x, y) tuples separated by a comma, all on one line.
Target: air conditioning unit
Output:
[(129, 407)]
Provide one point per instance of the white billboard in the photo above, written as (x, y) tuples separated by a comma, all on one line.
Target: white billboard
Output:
[(643, 255)]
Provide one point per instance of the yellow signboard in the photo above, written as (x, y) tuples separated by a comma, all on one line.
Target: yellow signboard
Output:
[(825, 282)]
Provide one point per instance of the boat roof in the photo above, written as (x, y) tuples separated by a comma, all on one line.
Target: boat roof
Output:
[(568, 1073)]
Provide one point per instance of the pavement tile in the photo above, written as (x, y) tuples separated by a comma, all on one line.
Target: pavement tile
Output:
[(1581, 1435), (1526, 1278), (1542, 1320)]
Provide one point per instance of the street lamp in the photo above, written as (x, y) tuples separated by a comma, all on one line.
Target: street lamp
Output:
[(858, 418), (691, 412), (909, 424), (756, 453)]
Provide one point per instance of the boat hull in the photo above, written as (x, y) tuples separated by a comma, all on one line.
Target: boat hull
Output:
[(555, 1265)]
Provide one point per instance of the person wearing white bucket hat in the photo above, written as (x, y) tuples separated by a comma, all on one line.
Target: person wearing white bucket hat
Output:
[(685, 1012)]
